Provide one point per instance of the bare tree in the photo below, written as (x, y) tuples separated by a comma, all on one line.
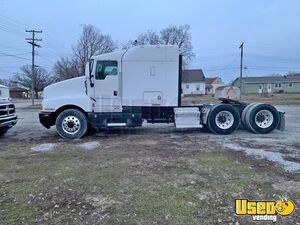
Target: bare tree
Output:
[(127, 44), (148, 38), (180, 36), (41, 78), (91, 41), (65, 68), (5, 82), (172, 35)]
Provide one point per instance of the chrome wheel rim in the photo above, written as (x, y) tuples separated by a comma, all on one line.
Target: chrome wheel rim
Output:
[(224, 120), (71, 124), (264, 118)]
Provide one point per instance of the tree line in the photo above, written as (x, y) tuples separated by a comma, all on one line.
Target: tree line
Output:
[(91, 42)]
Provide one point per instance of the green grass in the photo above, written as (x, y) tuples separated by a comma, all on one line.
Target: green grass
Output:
[(176, 206), (14, 213)]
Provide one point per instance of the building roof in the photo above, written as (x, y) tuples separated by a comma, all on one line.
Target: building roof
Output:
[(192, 76), (210, 80), (20, 89), (2, 86), (225, 86), (270, 79)]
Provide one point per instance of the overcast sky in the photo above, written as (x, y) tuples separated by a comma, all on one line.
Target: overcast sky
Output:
[(269, 28)]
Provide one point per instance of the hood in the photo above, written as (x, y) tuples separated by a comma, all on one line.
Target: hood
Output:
[(74, 86)]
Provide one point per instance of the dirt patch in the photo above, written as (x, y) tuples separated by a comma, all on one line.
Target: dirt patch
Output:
[(44, 147), (90, 145), (292, 159), (297, 144), (287, 186)]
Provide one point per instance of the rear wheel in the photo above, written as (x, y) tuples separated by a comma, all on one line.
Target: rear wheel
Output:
[(223, 119), (262, 118), (246, 109), (71, 124)]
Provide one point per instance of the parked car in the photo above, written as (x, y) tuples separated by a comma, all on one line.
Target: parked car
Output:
[(8, 117)]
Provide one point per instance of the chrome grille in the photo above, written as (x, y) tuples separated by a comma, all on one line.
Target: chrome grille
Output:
[(7, 110)]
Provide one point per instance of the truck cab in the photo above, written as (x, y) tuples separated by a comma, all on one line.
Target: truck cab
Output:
[(8, 116), (128, 88), (119, 89)]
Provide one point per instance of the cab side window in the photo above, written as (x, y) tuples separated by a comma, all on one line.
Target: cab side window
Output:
[(106, 68)]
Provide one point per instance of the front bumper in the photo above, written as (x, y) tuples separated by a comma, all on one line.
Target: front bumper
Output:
[(8, 121), (47, 119)]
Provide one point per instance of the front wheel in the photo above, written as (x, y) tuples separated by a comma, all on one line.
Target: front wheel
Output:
[(71, 124), (223, 119), (3, 130)]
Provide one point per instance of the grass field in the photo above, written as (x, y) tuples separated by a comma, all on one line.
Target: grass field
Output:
[(134, 178), (149, 175)]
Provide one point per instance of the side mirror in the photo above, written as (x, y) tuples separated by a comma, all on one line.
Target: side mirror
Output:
[(90, 67)]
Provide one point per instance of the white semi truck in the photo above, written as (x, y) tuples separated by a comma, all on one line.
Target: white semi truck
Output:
[(142, 84), (8, 116)]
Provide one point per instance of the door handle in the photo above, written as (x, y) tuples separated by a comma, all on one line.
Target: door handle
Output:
[(115, 93)]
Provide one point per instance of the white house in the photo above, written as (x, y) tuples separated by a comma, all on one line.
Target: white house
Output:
[(231, 92), (212, 83), (193, 82)]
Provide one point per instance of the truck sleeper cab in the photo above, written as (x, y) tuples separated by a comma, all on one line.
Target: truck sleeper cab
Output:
[(142, 84)]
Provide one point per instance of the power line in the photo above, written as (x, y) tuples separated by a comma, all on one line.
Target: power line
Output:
[(52, 52), (25, 53), (58, 43), (228, 68), (45, 59), (4, 28), (274, 57), (276, 67), (10, 47), (6, 71), (9, 55), (23, 26), (8, 67), (20, 24)]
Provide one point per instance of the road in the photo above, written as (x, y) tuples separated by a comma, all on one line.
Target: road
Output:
[(281, 147)]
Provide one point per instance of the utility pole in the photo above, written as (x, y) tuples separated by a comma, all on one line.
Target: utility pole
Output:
[(33, 41), (241, 70)]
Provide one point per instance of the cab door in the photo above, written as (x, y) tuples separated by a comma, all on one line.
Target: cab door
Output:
[(106, 87)]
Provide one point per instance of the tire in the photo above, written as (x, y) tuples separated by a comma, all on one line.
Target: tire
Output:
[(247, 115), (243, 118), (71, 124), (262, 118), (205, 128), (223, 119), (3, 131), (91, 130)]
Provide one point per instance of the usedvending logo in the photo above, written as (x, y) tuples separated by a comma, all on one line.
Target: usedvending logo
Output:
[(264, 210)]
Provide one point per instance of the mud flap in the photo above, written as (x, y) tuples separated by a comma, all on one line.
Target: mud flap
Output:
[(281, 124)]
